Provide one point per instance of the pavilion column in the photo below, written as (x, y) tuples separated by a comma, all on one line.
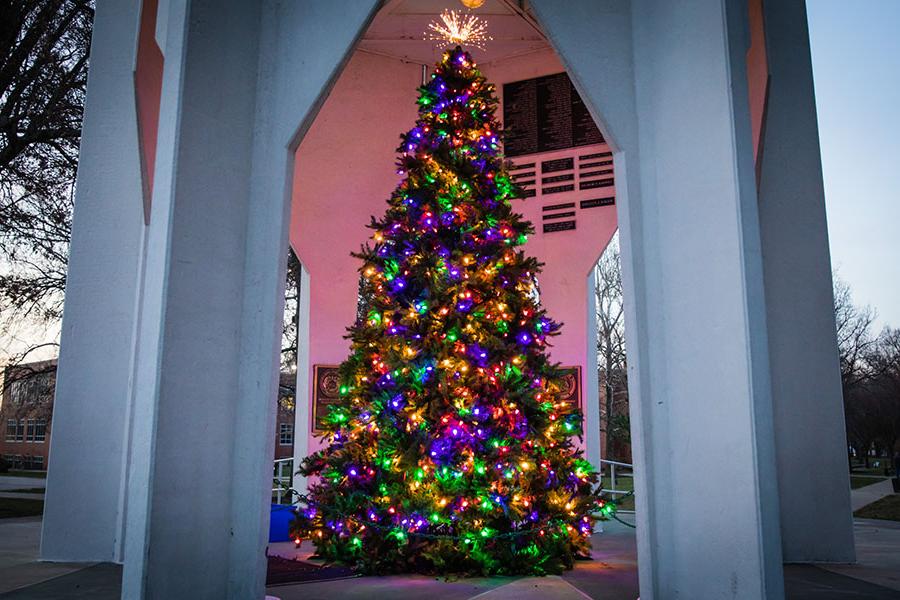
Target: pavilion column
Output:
[(240, 85), (816, 521), (205, 398), (88, 467), (667, 83)]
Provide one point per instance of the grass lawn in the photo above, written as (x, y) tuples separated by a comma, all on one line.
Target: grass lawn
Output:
[(20, 507), (625, 484), (887, 508), (858, 482), (884, 466)]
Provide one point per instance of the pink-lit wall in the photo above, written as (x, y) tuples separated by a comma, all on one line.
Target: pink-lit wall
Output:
[(344, 172)]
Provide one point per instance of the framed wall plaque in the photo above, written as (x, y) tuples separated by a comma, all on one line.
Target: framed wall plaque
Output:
[(572, 385), (326, 391)]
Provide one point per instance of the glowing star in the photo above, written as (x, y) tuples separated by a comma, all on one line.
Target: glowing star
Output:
[(458, 29)]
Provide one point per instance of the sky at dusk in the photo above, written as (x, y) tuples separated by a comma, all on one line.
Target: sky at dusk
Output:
[(856, 65)]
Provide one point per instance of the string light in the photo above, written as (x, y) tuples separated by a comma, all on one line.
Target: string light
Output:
[(451, 448)]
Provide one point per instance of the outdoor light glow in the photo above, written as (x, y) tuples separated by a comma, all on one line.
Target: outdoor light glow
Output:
[(457, 28), (451, 448)]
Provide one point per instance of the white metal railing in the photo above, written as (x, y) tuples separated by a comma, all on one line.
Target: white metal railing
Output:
[(282, 482), (612, 489)]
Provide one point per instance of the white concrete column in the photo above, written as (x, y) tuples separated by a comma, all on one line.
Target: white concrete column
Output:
[(816, 521), (667, 84), (190, 411), (592, 450), (86, 482), (302, 412), (239, 84)]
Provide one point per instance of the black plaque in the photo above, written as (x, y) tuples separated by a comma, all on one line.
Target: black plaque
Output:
[(595, 173), (595, 155), (559, 164), (559, 216), (595, 202), (557, 189), (545, 114), (596, 183), (520, 115), (558, 178), (559, 206), (559, 226)]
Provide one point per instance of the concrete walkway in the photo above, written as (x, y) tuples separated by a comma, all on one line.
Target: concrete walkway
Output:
[(14, 482), (877, 553), (19, 543), (867, 495), (611, 575)]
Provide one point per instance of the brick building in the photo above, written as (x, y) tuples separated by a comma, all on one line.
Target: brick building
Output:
[(26, 412), (284, 425)]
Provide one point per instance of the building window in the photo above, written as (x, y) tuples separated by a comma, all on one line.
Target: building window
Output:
[(10, 430), (40, 430), (286, 434), (20, 431), (29, 430), (37, 463)]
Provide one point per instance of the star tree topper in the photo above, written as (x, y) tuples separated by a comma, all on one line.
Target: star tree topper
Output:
[(458, 29)]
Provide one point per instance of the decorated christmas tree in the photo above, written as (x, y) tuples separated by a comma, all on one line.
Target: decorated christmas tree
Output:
[(453, 450)]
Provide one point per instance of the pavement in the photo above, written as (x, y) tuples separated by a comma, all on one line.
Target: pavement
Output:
[(867, 495), (13, 482), (610, 575)]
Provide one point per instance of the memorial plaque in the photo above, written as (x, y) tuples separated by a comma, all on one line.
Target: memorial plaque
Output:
[(558, 215), (596, 183), (571, 386), (559, 226), (545, 114), (595, 155), (559, 164), (595, 202), (326, 392), (595, 173), (559, 206), (557, 189), (558, 178), (520, 115)]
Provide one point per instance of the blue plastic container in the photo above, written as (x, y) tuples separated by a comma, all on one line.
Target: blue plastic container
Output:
[(279, 521)]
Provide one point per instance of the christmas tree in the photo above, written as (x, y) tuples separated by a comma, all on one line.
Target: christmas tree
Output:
[(452, 451)]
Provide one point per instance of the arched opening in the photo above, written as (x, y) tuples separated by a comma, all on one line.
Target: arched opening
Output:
[(344, 171)]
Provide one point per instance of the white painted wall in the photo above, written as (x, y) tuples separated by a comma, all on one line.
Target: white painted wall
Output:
[(87, 474)]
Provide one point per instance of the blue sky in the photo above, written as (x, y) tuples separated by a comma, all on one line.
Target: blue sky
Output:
[(856, 65)]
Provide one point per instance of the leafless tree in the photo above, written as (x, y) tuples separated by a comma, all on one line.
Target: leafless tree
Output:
[(291, 314), (44, 50), (885, 389), (611, 348), (854, 334)]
